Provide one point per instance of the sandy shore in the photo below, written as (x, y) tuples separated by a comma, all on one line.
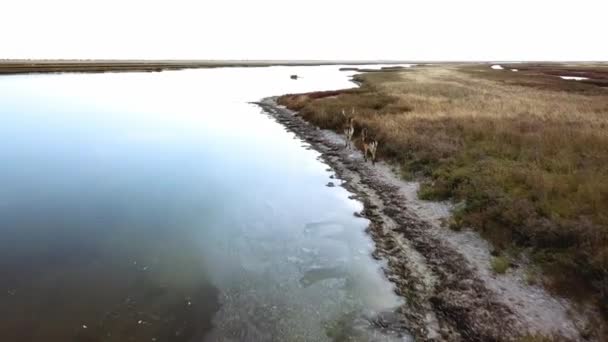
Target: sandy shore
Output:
[(444, 275)]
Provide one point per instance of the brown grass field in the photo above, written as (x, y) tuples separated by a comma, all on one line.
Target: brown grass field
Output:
[(524, 153)]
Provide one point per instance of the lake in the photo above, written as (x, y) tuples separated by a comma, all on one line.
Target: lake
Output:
[(166, 207)]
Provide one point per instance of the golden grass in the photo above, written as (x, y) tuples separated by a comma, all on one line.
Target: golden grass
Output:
[(526, 153)]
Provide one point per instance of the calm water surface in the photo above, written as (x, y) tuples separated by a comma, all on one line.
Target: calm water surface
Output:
[(165, 207)]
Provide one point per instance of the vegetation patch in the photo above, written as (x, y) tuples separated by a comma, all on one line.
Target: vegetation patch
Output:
[(500, 264), (524, 152)]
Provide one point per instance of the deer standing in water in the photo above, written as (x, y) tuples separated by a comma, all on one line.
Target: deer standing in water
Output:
[(369, 146), (349, 130)]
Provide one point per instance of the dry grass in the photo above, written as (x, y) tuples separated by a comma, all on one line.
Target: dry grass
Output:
[(527, 153)]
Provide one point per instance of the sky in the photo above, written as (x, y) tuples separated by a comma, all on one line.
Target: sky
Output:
[(305, 29)]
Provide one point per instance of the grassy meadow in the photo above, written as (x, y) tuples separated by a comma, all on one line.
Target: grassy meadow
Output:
[(525, 154)]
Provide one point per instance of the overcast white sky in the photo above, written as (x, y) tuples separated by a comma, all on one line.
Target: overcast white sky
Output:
[(306, 29)]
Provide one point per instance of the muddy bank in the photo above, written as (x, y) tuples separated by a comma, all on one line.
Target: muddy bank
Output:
[(450, 293)]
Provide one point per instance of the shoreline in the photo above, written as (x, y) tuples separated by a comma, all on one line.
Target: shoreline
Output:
[(448, 296), (14, 67), (23, 66)]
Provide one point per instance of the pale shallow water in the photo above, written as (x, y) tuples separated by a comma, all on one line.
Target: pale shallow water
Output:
[(164, 206), (574, 78), (383, 66)]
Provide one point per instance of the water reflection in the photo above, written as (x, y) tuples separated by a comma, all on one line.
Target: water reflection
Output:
[(164, 207)]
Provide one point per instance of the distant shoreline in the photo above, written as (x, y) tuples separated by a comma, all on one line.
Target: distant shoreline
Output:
[(10, 67), (24, 66)]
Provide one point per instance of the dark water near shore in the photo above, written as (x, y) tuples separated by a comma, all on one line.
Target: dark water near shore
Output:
[(164, 207)]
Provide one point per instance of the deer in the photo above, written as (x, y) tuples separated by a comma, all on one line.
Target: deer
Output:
[(373, 147), (349, 130), (369, 147), (364, 143)]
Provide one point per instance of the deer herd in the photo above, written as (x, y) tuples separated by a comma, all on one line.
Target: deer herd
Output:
[(370, 145)]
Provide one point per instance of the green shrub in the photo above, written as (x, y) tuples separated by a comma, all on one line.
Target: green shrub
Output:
[(500, 264)]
